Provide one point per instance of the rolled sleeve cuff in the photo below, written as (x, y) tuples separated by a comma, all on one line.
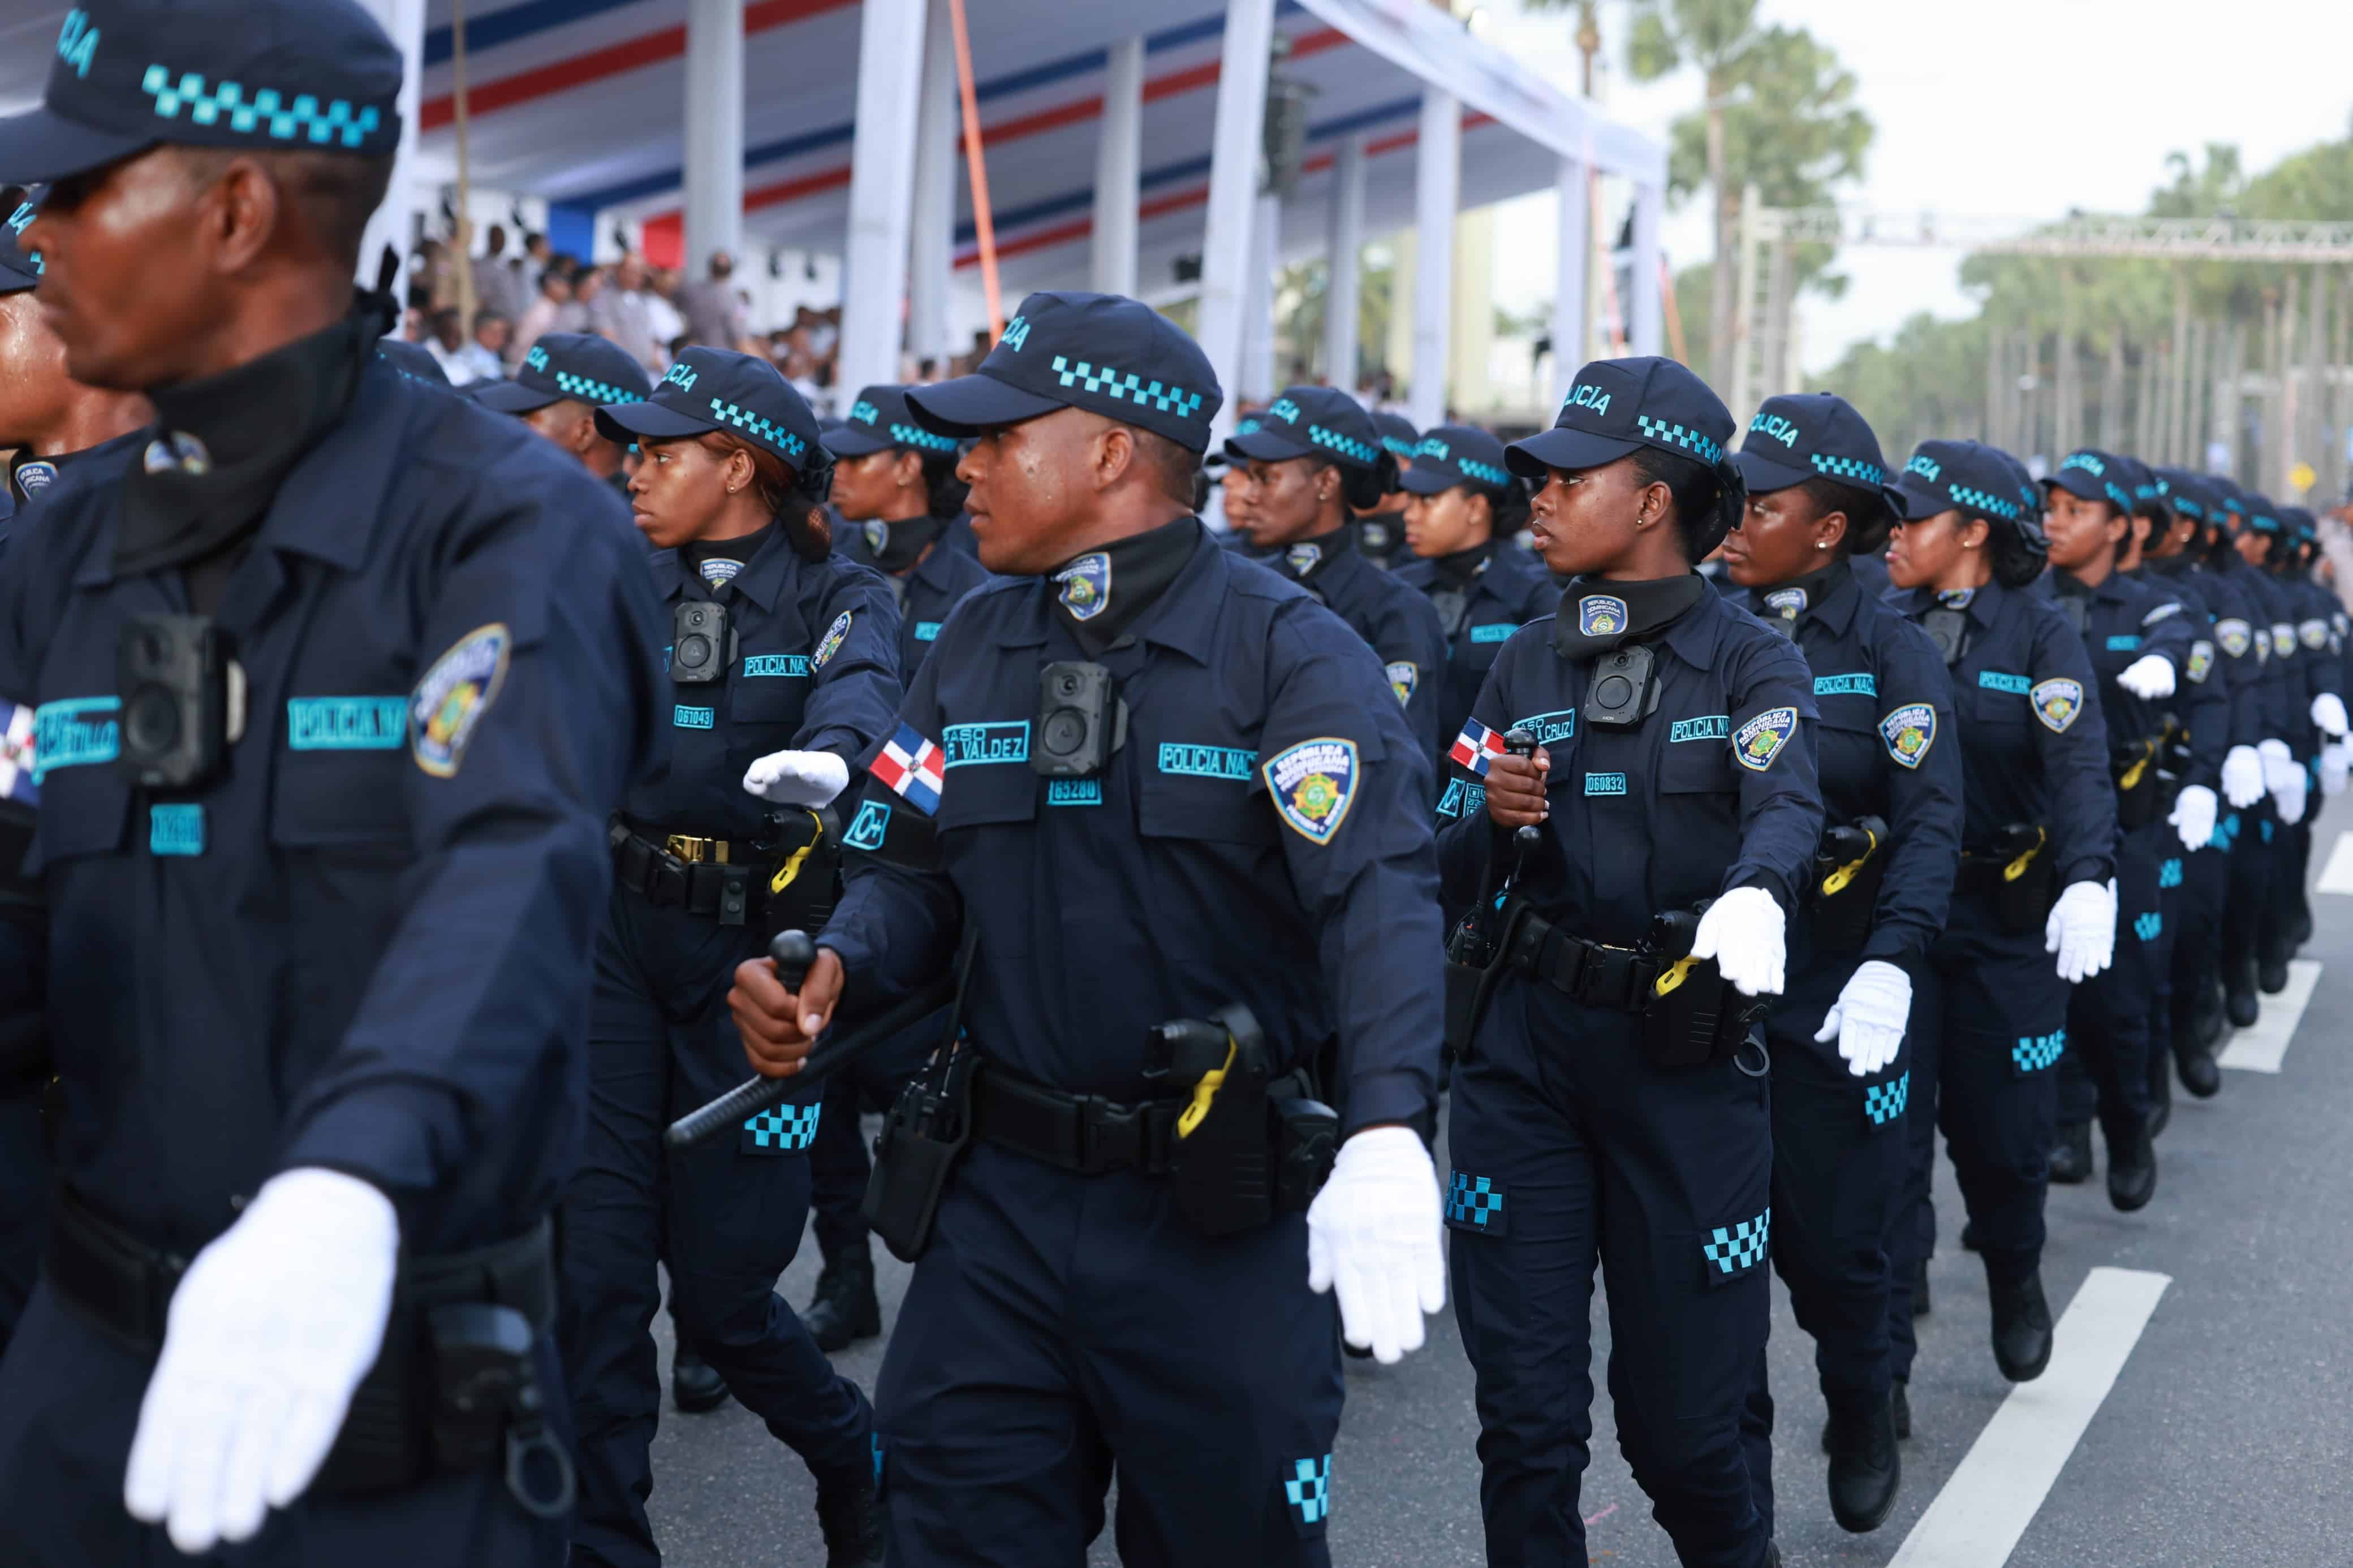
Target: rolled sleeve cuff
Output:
[(387, 1137), (1402, 1097), (1771, 882)]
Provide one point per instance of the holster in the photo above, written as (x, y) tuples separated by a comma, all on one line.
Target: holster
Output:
[(1693, 1016), (804, 881), (1221, 1163), (2017, 872), (2140, 795), (1849, 869), (924, 1137)]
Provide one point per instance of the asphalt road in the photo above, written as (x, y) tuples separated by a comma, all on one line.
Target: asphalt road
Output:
[(2225, 1439)]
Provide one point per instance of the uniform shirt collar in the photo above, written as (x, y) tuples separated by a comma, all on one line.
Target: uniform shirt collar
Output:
[(1184, 617), (1985, 604), (764, 582)]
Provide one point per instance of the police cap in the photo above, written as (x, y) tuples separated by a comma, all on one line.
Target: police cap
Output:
[(1398, 434), (273, 76), (1308, 421), (1104, 352), (1454, 455), (719, 389), (412, 360), (576, 366), (19, 269), (2093, 475), (1969, 475), (880, 421), (1813, 436), (1618, 404)]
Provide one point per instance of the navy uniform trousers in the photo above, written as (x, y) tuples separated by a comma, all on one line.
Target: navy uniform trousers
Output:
[(2112, 1018), (2196, 918), (2255, 923), (1587, 1154), (1988, 1027), (727, 1219)]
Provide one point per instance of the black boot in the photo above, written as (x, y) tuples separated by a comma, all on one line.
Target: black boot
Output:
[(2071, 1158), (2132, 1172), (844, 1309), (2239, 1001), (2207, 1021), (1899, 1406), (1772, 1554), (2200, 1074), (2021, 1328), (851, 1519), (1968, 1236), (1865, 1471), (695, 1387), (2270, 976), (1920, 1291), (2161, 1099), (2299, 928)]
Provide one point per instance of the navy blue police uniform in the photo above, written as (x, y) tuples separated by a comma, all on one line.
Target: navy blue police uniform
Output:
[(2321, 646), (2291, 671), (1260, 837), (1397, 621), (1381, 535), (1988, 1008), (347, 927), (1887, 754), (1482, 594), (2252, 935), (806, 662), (1570, 1147)]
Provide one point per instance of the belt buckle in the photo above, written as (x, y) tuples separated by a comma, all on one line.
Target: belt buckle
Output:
[(695, 850)]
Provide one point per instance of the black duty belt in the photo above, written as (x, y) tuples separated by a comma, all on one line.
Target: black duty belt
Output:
[(1083, 1133), (719, 878), (126, 1286), (1595, 974)]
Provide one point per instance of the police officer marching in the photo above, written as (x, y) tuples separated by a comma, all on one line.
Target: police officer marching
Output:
[(1144, 787), (1873, 902), (1610, 1102), (559, 386), (48, 422), (2037, 852), (335, 687), (784, 670), (1380, 526)]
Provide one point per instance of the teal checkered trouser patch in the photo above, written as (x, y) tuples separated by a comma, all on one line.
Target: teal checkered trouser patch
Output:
[(786, 1130), (1737, 1248)]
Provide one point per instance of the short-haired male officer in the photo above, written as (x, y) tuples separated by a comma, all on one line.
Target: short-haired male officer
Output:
[(1151, 782), (561, 384), (335, 688)]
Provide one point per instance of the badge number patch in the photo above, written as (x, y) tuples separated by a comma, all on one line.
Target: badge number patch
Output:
[(1756, 743), (2056, 703), (1312, 784), (456, 692), (1909, 731)]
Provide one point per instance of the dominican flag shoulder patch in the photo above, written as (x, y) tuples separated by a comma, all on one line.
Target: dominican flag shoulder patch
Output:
[(1476, 747), (913, 767)]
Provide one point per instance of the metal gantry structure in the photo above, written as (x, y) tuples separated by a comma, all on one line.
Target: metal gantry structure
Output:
[(2270, 404)]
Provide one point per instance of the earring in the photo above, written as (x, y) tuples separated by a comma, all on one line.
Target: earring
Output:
[(1821, 544)]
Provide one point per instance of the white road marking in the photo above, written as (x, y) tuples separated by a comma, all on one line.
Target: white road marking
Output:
[(1977, 1521), (2336, 877), (2263, 1047)]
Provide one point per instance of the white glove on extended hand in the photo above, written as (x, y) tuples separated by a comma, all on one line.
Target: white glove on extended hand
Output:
[(2334, 759), (1742, 930), (796, 778), (2150, 676), (2328, 712), (1373, 1236), (2081, 929), (2242, 777), (2285, 779), (1869, 1016), (270, 1332), (2194, 813)]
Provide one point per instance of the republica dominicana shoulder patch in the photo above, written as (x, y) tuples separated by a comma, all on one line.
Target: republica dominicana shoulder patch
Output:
[(456, 692), (1909, 731), (2057, 702), (1756, 743), (831, 644), (1313, 784)]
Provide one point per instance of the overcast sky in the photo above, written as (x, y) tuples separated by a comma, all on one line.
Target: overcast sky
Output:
[(1990, 107)]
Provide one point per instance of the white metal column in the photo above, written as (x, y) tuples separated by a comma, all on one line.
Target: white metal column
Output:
[(714, 131), (1119, 170), (1258, 375), (408, 193), (1568, 309), (931, 249), (881, 189), (1341, 291), (1436, 190), (1647, 332), (1233, 189)]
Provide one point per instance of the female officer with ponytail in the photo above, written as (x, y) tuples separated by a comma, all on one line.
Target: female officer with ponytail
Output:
[(1463, 507), (1610, 1104), (1891, 778), (783, 670), (2038, 864)]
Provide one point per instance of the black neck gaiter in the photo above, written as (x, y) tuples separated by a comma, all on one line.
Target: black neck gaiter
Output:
[(1597, 615), (1099, 595), (896, 547)]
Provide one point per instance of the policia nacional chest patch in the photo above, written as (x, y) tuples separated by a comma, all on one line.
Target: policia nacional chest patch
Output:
[(454, 695), (1313, 784)]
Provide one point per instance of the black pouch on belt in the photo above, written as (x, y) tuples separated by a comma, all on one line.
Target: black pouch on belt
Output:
[(803, 883), (1221, 1168), (1848, 871), (2134, 766), (924, 1134), (1693, 1016)]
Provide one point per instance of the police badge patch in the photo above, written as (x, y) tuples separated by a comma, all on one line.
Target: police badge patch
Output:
[(2201, 659), (1600, 615), (456, 692), (1304, 558), (2056, 703), (1787, 603), (718, 570), (1756, 743), (36, 476), (1313, 784), (833, 643), (1909, 731), (877, 535), (2315, 634), (1085, 586), (2282, 639), (2235, 635), (1403, 679)]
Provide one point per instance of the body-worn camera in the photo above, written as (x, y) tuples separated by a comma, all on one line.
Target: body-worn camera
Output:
[(702, 644), (1621, 692), (1080, 721), (183, 698)]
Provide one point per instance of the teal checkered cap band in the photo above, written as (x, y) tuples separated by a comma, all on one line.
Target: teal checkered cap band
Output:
[(1850, 469), (1110, 381), (1670, 435), (916, 436), (744, 419), (590, 390), (283, 117), (1353, 450)]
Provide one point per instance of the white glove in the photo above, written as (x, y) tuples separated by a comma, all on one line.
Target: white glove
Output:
[(2285, 779), (2149, 676), (2242, 777), (2328, 712), (1869, 1017), (2194, 812), (1373, 1236), (796, 778), (1742, 930), (2334, 758), (270, 1332), (2081, 929)]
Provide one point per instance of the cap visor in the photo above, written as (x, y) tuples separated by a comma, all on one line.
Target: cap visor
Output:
[(852, 441), (971, 404), (2079, 482), (1763, 476), (626, 422), (1263, 446), (40, 146), (1536, 458), (512, 398), (1913, 504), (1428, 481)]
